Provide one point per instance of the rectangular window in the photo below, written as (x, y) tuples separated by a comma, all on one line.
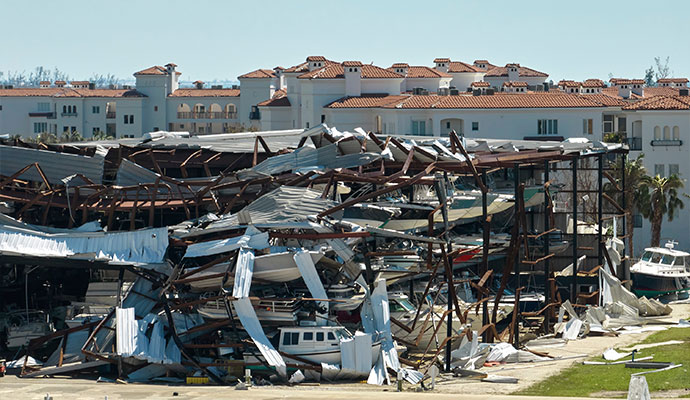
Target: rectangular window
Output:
[(126, 119), (587, 126), (475, 126), (673, 169), (131, 119), (608, 123), (547, 127), (659, 169), (319, 336), (155, 108), (308, 336), (73, 129), (622, 124), (307, 125), (323, 118), (96, 109), (94, 131), (40, 127), (448, 127), (419, 128), (637, 221), (43, 107), (65, 129)]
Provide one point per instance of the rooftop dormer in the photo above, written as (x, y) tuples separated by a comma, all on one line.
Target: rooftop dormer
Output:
[(569, 86), (60, 84), (479, 85), (44, 84), (199, 84), (628, 86), (316, 62), (80, 84), (592, 86), (673, 82), (515, 87), (442, 64)]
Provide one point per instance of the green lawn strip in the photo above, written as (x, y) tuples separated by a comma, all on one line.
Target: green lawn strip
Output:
[(583, 380)]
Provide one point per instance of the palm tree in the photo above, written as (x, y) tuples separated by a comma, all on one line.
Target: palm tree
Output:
[(663, 199), (634, 192)]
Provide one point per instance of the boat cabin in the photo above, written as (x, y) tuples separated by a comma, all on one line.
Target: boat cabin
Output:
[(668, 260), (299, 338)]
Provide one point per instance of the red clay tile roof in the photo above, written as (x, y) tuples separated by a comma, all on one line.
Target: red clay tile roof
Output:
[(496, 101), (569, 83), (195, 82), (69, 92), (205, 93), (352, 63), (155, 70), (481, 61), (400, 65), (522, 71), (459, 66), (367, 101), (336, 71), (648, 92), (258, 74), (60, 82), (672, 80), (661, 103), (304, 67), (316, 58), (623, 81), (442, 60), (480, 84), (605, 99), (421, 72), (593, 83), (279, 99), (74, 83), (171, 64), (515, 84)]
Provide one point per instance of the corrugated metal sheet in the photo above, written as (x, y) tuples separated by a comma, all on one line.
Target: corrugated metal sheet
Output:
[(143, 246), (307, 158), (130, 174), (55, 165)]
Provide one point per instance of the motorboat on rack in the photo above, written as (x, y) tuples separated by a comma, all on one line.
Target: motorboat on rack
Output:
[(661, 271)]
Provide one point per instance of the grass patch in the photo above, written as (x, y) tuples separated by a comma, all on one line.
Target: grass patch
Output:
[(583, 380)]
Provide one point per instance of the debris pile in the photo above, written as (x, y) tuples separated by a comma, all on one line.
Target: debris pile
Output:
[(298, 255)]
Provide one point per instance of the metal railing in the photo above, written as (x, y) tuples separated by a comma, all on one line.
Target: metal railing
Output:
[(634, 143), (69, 114), (667, 142), (206, 115), (110, 114)]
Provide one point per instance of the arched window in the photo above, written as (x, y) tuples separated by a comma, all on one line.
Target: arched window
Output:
[(667, 133), (657, 133), (676, 133), (64, 109)]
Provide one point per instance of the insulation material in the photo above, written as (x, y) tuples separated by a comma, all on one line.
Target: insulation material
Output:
[(311, 278), (247, 315), (244, 269), (126, 331)]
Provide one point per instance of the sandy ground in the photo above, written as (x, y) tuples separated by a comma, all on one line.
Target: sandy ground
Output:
[(447, 387)]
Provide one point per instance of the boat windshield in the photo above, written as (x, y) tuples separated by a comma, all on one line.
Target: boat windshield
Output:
[(667, 259), (656, 258), (647, 256), (342, 334), (679, 261), (400, 305)]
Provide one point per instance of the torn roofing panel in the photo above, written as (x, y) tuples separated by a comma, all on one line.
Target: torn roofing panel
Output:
[(283, 204), (131, 174), (56, 166), (143, 246)]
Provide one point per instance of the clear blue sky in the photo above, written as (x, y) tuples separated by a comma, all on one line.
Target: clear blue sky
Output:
[(223, 39)]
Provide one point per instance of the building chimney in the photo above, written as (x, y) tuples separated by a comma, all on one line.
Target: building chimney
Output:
[(199, 84), (60, 84), (401, 68), (173, 85), (481, 64), (316, 62), (637, 87), (279, 78), (353, 78), (44, 84), (442, 64), (623, 86), (513, 72)]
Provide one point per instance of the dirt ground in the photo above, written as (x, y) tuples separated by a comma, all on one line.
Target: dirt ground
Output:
[(447, 387)]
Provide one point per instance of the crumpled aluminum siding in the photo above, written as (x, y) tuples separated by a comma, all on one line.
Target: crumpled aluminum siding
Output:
[(325, 157), (283, 204), (131, 174), (142, 246), (55, 165)]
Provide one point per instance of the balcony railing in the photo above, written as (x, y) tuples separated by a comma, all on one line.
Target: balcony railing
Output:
[(667, 142), (110, 114), (206, 115), (634, 143), (49, 114), (69, 114)]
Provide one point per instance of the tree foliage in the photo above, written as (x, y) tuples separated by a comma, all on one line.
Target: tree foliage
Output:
[(661, 198)]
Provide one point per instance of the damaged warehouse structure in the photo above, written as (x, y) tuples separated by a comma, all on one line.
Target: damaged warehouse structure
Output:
[(312, 254)]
